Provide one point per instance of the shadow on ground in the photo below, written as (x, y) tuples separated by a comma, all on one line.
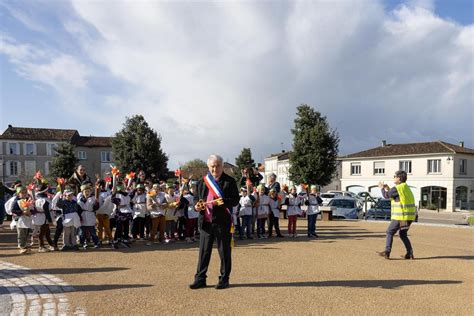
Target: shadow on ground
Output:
[(76, 288), (15, 273), (384, 284)]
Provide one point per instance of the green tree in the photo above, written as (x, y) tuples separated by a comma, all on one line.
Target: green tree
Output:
[(315, 148), (245, 160), (138, 147), (195, 163), (64, 161)]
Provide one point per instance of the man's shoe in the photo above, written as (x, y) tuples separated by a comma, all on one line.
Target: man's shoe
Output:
[(198, 285), (222, 285), (408, 256), (384, 254)]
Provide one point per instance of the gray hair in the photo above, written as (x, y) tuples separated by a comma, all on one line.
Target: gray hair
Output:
[(215, 157), (402, 175)]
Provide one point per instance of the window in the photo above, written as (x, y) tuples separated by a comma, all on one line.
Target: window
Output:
[(81, 155), (462, 166), (405, 165), (30, 149), (47, 168), (13, 149), (355, 168), (434, 166), (13, 168), (379, 168), (51, 149), (30, 167), (105, 156)]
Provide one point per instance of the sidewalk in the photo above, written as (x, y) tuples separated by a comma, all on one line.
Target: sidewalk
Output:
[(443, 217)]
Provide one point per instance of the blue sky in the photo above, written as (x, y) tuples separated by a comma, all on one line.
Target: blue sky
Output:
[(220, 76)]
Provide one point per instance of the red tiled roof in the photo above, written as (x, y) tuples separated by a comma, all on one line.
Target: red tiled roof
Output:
[(437, 147), (26, 133), (93, 141)]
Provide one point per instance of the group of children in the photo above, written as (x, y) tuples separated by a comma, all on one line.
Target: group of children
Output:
[(86, 214), (261, 207)]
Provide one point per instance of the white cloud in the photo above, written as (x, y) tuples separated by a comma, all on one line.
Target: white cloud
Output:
[(229, 75), (24, 18), (55, 69), (220, 76)]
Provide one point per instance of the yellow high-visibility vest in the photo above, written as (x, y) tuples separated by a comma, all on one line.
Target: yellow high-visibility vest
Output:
[(405, 210)]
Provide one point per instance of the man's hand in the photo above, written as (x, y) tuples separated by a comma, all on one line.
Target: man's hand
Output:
[(219, 202)]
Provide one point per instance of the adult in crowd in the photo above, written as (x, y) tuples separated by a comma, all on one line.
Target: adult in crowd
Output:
[(250, 176), (273, 184), (78, 178), (4, 193), (217, 194)]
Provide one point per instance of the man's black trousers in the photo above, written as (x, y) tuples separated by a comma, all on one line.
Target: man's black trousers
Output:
[(208, 233)]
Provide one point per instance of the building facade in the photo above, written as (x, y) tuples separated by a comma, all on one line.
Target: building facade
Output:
[(279, 164), (441, 175), (23, 151)]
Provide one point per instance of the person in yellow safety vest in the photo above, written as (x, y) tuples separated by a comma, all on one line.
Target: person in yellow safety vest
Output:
[(402, 215)]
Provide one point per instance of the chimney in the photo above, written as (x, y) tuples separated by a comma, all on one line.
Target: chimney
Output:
[(461, 144), (384, 143)]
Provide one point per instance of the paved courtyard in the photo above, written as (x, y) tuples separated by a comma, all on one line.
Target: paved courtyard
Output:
[(338, 273)]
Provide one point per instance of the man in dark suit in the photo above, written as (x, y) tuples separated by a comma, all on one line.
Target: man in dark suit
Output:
[(215, 220)]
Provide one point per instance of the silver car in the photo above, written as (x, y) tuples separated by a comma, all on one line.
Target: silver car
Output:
[(327, 197), (345, 208)]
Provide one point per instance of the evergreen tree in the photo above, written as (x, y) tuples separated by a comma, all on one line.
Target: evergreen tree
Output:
[(138, 147), (195, 163), (244, 160), (64, 161), (315, 148)]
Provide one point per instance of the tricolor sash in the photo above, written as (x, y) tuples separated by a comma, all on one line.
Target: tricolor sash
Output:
[(213, 187)]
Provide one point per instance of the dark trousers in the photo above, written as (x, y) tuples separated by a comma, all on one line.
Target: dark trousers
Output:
[(87, 232), (148, 225), (246, 225), (274, 221), (2, 211), (122, 229), (138, 227), (181, 229), (312, 224), (392, 230), (190, 227), (59, 231), (208, 233), (45, 233), (261, 227)]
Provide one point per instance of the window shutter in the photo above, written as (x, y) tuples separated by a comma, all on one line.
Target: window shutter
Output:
[(379, 165)]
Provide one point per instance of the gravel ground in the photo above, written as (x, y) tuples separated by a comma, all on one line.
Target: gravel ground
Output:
[(338, 273)]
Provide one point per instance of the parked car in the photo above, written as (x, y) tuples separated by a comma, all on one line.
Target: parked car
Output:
[(381, 209), (346, 208), (360, 201), (326, 197)]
